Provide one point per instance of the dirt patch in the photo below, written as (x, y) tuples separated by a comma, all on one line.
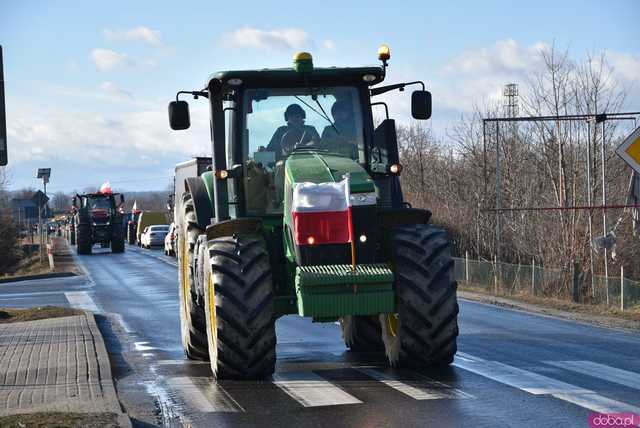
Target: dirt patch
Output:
[(593, 314), (62, 420), (8, 315)]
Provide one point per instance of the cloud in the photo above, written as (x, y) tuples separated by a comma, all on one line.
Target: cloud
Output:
[(626, 67), (106, 139), (329, 44), (112, 89), (506, 56), (140, 33), (278, 39), (108, 60)]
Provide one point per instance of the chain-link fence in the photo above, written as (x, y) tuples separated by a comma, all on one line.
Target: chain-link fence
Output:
[(531, 280)]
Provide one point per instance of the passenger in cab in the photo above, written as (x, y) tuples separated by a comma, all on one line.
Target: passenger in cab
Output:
[(341, 135)]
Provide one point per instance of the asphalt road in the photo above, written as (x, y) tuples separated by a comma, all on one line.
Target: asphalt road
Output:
[(513, 368)]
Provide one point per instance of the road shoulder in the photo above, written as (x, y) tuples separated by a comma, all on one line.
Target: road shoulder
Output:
[(576, 312)]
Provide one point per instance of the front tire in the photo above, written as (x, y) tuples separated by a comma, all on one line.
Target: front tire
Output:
[(425, 329), (362, 333), (239, 305)]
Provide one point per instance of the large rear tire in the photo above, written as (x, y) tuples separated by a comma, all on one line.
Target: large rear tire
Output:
[(83, 239), (425, 329), (239, 305), (192, 314), (362, 333)]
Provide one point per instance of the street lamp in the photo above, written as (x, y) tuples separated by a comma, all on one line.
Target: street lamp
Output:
[(44, 174)]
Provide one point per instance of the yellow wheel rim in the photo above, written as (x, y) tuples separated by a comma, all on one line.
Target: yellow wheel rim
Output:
[(392, 324), (212, 309), (184, 266)]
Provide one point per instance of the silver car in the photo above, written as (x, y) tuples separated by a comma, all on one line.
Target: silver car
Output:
[(154, 235)]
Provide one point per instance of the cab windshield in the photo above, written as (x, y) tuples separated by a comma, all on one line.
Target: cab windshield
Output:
[(103, 203), (281, 121)]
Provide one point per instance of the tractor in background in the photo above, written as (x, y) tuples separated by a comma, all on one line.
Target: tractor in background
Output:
[(98, 220)]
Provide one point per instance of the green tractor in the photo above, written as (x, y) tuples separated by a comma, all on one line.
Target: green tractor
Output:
[(308, 218), (97, 220)]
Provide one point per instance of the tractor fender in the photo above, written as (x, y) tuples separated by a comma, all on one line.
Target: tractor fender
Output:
[(202, 203)]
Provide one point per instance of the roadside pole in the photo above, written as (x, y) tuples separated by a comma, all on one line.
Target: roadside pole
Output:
[(621, 287), (466, 267), (40, 233)]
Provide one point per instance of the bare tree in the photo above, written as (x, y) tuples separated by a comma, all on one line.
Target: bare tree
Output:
[(60, 201)]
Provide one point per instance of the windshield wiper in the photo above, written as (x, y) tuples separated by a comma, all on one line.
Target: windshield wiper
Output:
[(322, 115), (326, 116)]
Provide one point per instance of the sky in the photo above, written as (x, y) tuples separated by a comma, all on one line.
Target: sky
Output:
[(87, 83)]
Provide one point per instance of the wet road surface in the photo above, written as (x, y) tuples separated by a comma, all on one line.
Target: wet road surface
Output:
[(512, 369)]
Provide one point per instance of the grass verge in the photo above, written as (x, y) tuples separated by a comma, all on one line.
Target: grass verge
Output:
[(8, 315), (597, 314), (60, 419)]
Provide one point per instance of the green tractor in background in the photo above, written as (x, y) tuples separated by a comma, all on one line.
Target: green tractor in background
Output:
[(259, 235)]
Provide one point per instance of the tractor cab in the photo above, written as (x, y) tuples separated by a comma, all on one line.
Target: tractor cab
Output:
[(259, 118)]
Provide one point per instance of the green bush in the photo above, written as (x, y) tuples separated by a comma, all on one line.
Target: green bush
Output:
[(10, 252)]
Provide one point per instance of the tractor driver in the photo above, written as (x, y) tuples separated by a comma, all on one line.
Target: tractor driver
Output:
[(341, 135), (294, 134)]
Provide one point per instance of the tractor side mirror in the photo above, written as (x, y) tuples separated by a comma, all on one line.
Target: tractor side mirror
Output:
[(179, 115), (75, 202), (421, 105)]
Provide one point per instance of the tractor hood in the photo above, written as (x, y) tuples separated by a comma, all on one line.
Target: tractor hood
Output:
[(319, 167)]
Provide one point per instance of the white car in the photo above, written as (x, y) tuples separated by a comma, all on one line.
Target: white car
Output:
[(154, 235), (170, 241)]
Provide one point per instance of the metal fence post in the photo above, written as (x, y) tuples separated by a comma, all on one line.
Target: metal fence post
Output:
[(575, 290), (621, 287), (533, 277), (495, 274), (466, 266)]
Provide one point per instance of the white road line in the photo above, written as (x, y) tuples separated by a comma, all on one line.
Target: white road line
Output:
[(216, 400), (81, 300), (537, 384), (600, 371), (311, 390), (416, 389)]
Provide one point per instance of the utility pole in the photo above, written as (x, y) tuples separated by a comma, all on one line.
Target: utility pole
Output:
[(3, 120), (590, 218), (601, 119)]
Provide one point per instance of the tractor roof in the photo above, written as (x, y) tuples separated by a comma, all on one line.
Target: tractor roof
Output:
[(97, 195), (289, 77)]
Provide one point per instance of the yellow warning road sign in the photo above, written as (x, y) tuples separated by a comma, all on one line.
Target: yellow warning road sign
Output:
[(629, 150)]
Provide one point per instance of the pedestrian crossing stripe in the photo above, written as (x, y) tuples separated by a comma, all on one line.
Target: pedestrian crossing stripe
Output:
[(310, 389), (538, 384)]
